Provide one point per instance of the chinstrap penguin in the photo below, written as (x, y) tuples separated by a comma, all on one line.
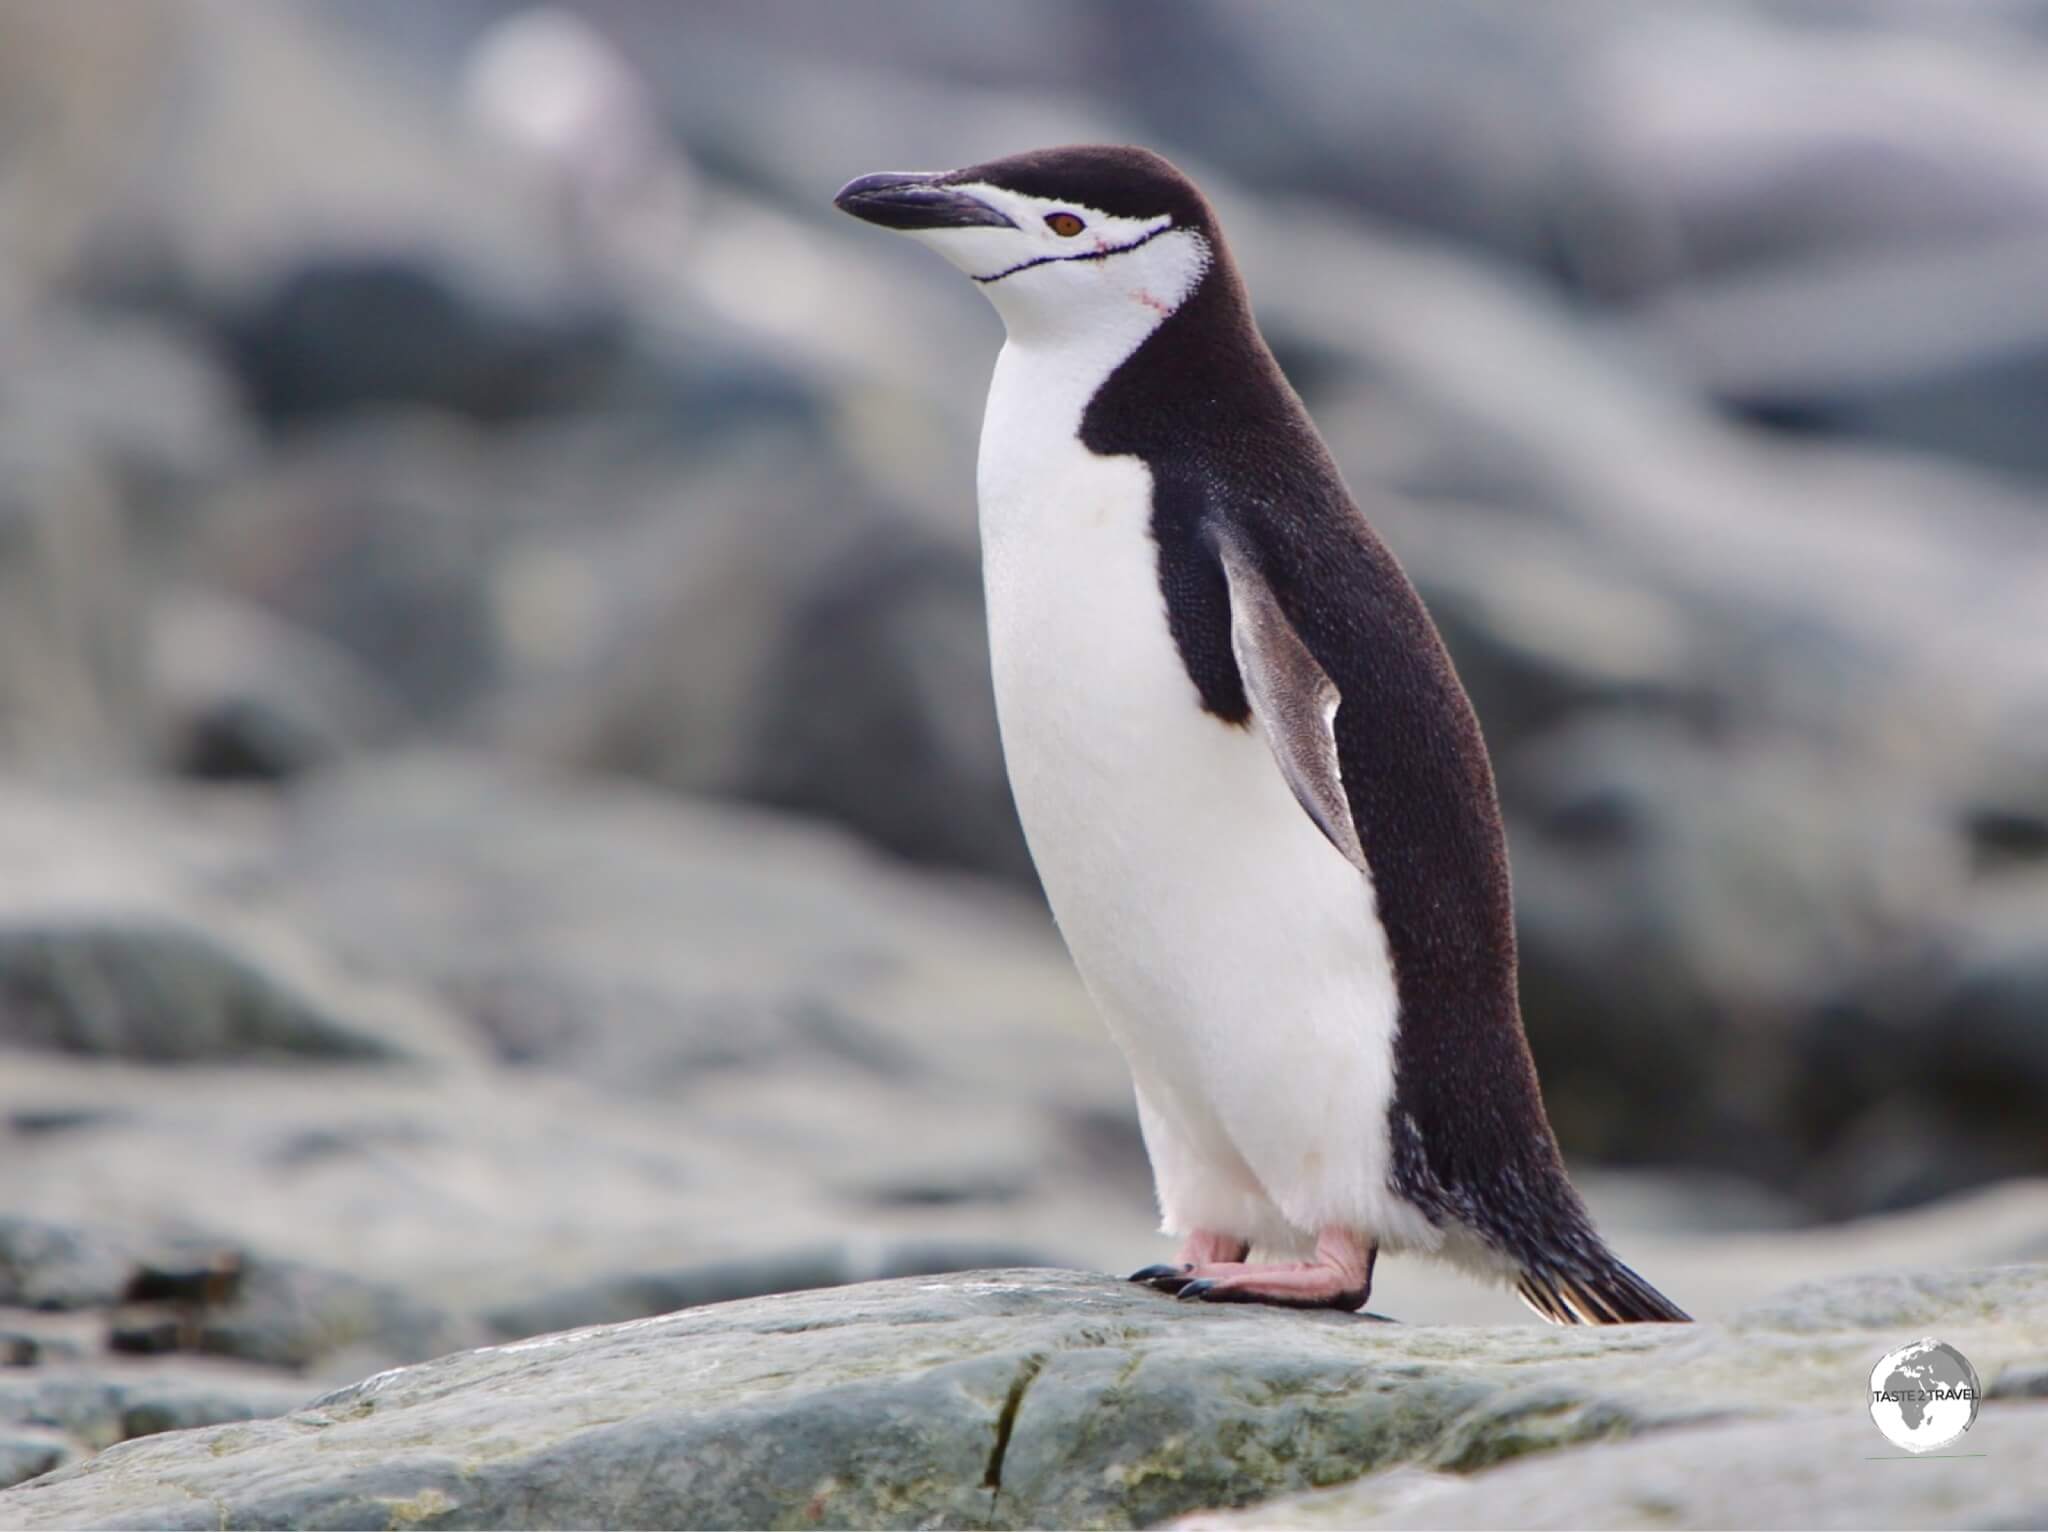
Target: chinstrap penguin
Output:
[(1251, 781)]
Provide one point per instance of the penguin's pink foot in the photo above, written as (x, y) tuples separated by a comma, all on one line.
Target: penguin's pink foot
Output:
[(1202, 1251), (1340, 1277)]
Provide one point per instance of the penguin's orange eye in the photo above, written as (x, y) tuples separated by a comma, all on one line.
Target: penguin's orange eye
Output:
[(1066, 225)]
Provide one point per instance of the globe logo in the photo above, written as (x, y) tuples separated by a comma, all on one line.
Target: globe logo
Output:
[(1924, 1396)]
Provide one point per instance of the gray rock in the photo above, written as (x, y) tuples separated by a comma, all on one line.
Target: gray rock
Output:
[(660, 946), (140, 399), (46, 1265), (71, 670), (1028, 1399), (1800, 1473), (158, 994), (112, 432), (335, 336), (820, 648), (157, 1291), (287, 1315), (26, 1452), (239, 694), (96, 1403), (1961, 369), (379, 540), (639, 1037), (2022, 1380), (876, 710), (641, 1294)]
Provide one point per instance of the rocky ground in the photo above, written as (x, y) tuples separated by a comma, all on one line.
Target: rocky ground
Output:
[(501, 824), (438, 1053), (1030, 1398)]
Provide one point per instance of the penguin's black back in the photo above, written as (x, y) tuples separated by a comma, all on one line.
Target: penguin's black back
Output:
[(1232, 453)]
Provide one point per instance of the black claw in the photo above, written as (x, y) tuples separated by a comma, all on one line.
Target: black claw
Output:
[(1198, 1289), (1166, 1279)]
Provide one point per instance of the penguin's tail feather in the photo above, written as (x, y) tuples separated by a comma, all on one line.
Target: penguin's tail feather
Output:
[(1613, 1295)]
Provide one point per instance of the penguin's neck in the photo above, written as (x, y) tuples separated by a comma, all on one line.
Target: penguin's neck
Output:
[(1071, 324), (1066, 339), (1199, 383)]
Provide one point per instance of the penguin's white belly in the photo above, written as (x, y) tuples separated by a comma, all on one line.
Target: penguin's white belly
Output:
[(1235, 954)]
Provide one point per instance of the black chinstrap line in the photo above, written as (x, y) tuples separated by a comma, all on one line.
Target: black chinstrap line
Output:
[(1083, 255)]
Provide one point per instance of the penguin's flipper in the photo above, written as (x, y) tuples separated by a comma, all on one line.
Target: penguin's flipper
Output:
[(1294, 700)]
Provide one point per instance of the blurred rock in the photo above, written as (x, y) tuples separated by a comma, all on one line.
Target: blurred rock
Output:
[(51, 1266), (70, 643), (26, 1451), (142, 400), (378, 541), (1018, 1398), (290, 1316), (762, 625), (876, 710), (154, 1291), (111, 434), (334, 337), (1960, 369), (634, 1030), (74, 1409), (2022, 1381), (682, 943), (240, 695), (156, 995), (640, 1295)]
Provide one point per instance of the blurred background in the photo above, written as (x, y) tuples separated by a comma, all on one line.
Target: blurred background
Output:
[(502, 823)]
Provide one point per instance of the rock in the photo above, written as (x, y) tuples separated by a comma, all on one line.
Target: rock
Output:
[(88, 1405), (1792, 348), (823, 651), (26, 1452), (54, 1266), (159, 995), (628, 1037), (336, 336), (1035, 1398), (876, 711), (142, 399), (2023, 1380), (676, 946), (637, 1296), (287, 1315), (112, 433), (70, 632), (1683, 1479), (239, 694), (378, 540), (157, 1291)]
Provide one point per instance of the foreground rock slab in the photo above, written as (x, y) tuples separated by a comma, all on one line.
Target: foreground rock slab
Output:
[(1033, 1398), (1817, 1472)]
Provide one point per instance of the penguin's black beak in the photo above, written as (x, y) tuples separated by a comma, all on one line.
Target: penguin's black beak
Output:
[(898, 199)]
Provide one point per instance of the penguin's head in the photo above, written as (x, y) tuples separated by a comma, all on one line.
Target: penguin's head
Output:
[(1063, 241)]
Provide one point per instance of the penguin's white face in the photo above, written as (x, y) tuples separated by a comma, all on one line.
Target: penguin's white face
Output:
[(1055, 267)]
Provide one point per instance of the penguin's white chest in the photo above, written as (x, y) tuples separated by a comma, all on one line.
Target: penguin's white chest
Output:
[(1235, 954)]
